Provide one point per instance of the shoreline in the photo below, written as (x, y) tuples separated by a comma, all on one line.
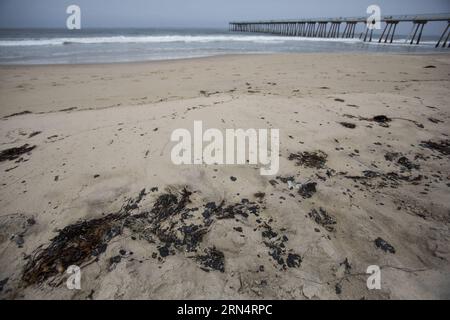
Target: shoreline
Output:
[(223, 56)]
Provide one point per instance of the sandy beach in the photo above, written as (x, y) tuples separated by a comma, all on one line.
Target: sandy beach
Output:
[(364, 179)]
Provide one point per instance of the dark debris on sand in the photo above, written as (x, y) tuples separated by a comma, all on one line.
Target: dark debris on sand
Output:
[(401, 160), (17, 114), (338, 288), (391, 156), (165, 221), (277, 249), (171, 223), (372, 179), (348, 125), (285, 179), (238, 209), (307, 190), (382, 120), (293, 260), (176, 226), (3, 283), (35, 133), (443, 146), (15, 153), (384, 245), (74, 245), (259, 195), (408, 164), (434, 120), (316, 159), (213, 259), (323, 218)]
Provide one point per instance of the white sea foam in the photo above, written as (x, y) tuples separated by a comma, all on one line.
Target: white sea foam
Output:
[(161, 39)]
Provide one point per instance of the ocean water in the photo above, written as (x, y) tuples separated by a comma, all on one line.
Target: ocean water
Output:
[(60, 46)]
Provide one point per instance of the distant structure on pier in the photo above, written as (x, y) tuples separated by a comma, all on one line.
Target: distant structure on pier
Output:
[(330, 27)]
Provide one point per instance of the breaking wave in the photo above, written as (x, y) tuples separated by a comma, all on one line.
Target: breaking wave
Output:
[(160, 39)]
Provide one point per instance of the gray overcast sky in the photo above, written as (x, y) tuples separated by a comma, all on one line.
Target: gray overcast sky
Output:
[(194, 13)]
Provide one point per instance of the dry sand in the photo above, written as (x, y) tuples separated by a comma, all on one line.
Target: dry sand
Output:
[(102, 134)]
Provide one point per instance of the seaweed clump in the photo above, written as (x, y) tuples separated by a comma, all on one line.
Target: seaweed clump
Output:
[(74, 245), (171, 223), (384, 245), (316, 159), (14, 153)]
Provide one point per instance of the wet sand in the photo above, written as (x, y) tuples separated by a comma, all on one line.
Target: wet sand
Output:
[(90, 142)]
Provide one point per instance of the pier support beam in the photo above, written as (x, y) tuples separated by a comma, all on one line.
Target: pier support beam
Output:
[(321, 30), (311, 29), (443, 35), (390, 26), (417, 25), (349, 31), (334, 30), (370, 35), (353, 30)]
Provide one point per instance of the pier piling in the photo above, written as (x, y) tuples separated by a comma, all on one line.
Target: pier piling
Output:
[(443, 35), (390, 26)]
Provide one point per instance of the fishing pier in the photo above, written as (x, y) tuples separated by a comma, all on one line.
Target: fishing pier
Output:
[(331, 27)]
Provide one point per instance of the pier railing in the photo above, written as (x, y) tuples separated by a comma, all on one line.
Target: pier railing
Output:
[(331, 27)]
